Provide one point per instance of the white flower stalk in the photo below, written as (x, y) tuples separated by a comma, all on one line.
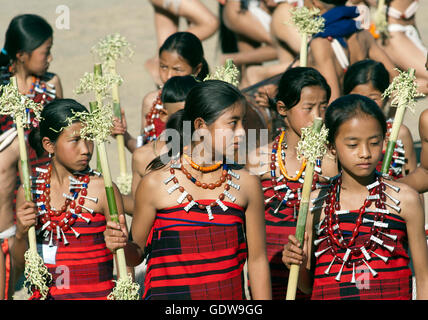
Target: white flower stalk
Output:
[(312, 145), (125, 289), (380, 21), (227, 73), (124, 183), (403, 90), (16, 105), (36, 273), (96, 125), (307, 21), (101, 85), (113, 47)]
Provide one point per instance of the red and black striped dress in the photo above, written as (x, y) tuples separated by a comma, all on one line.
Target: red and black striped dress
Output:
[(394, 278), (40, 94), (192, 257), (83, 269), (278, 227)]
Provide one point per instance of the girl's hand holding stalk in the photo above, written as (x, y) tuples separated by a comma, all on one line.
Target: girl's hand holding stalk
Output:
[(116, 234), (311, 147)]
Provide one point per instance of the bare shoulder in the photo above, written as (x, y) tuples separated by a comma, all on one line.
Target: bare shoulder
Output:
[(321, 47), (142, 157), (408, 197), (149, 98), (423, 124), (404, 133), (152, 179)]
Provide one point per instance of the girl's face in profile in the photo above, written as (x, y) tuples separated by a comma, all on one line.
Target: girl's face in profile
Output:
[(369, 91), (226, 134), (37, 62), (171, 64), (358, 145), (71, 150)]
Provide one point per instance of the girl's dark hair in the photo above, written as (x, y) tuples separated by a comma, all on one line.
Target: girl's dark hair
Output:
[(294, 80), (207, 100), (347, 107), (54, 119), (366, 71), (189, 47), (25, 33), (177, 88)]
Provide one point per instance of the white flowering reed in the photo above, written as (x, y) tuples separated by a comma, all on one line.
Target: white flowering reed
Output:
[(312, 147), (125, 289), (110, 49), (14, 104), (228, 73), (403, 90), (307, 22)]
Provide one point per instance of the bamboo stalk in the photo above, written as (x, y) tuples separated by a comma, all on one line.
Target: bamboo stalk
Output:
[(120, 139), (125, 288), (301, 218), (98, 72), (111, 199), (35, 271), (304, 49), (25, 171), (398, 120)]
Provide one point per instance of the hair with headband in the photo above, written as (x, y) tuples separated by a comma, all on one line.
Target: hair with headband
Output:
[(54, 117)]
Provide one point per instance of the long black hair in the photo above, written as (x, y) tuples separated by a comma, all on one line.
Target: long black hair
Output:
[(346, 107), (25, 33), (189, 47), (366, 71), (176, 88), (207, 100), (53, 119)]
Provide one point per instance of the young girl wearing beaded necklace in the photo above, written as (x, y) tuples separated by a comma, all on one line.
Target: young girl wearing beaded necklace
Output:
[(70, 210), (303, 94), (362, 225), (181, 54), (26, 55), (192, 227), (370, 78)]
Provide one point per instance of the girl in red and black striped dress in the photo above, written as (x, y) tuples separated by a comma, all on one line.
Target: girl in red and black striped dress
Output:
[(198, 217), (303, 94), (370, 79), (362, 227), (70, 210), (26, 55)]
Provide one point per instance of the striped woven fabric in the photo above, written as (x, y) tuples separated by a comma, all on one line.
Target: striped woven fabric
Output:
[(278, 227), (6, 122), (393, 280), (193, 258), (83, 269)]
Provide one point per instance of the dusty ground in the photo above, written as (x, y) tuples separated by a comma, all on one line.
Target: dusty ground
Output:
[(92, 20)]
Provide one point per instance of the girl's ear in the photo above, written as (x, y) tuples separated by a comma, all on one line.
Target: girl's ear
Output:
[(200, 123), (332, 148), (281, 108), (197, 69), (48, 145)]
